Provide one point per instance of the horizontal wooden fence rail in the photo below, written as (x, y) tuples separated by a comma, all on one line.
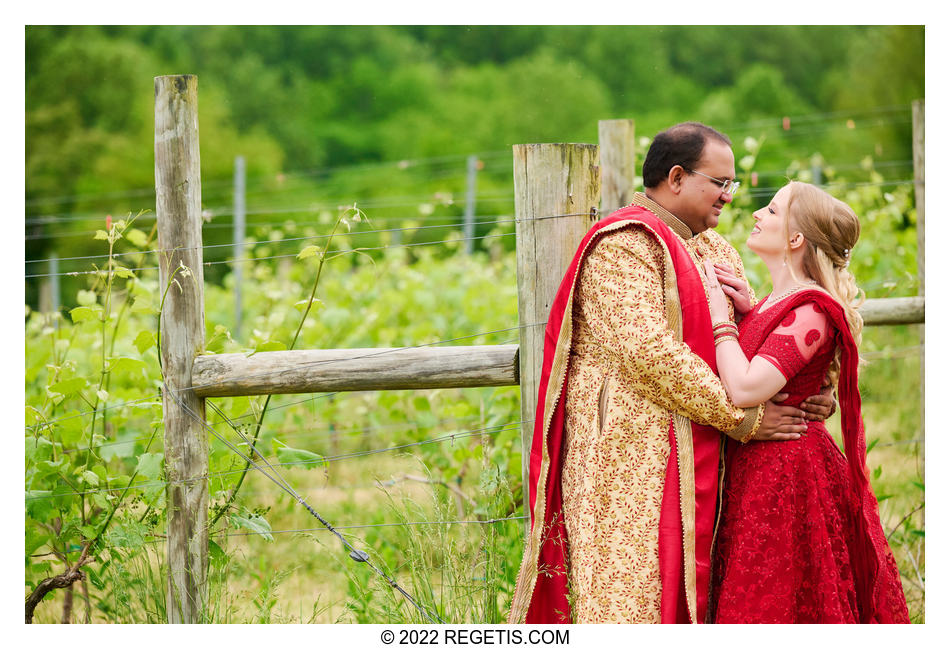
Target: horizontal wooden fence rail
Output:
[(414, 368), (343, 370), (893, 311)]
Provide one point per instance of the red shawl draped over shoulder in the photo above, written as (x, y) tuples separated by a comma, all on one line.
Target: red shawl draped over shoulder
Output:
[(686, 531)]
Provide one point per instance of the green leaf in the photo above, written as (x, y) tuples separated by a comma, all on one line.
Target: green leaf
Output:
[(36, 538), (69, 428), (303, 304), (83, 313), (130, 534), (39, 505), (298, 456), (86, 298), (124, 363), (101, 500), (136, 237), (89, 531), (101, 235), (69, 386), (216, 554), (38, 449), (144, 304), (254, 522), (309, 251), (144, 341), (122, 271), (150, 465), (90, 478)]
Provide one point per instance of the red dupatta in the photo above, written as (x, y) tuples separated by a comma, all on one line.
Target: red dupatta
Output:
[(877, 581), (689, 498)]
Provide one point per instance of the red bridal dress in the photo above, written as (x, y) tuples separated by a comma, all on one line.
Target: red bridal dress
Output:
[(800, 538)]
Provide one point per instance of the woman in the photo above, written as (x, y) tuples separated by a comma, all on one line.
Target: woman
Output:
[(800, 538)]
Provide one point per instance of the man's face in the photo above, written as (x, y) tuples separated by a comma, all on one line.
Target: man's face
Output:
[(701, 199)]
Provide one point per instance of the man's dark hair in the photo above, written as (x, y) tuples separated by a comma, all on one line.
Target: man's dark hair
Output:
[(682, 145)]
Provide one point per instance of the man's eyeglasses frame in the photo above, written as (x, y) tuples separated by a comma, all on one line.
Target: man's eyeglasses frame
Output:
[(726, 186)]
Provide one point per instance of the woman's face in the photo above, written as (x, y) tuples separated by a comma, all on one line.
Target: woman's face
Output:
[(767, 238)]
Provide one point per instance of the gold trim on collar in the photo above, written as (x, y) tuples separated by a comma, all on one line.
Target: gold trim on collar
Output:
[(642, 200)]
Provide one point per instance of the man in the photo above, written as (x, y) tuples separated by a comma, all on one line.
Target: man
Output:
[(624, 464)]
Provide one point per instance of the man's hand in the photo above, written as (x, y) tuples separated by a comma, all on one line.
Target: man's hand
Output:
[(820, 406), (780, 423)]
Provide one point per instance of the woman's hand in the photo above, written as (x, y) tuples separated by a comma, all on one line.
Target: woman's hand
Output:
[(718, 307), (732, 286)]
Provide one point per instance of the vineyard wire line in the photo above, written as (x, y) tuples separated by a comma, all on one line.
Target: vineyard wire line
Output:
[(253, 259), (321, 204), (335, 253), (315, 237)]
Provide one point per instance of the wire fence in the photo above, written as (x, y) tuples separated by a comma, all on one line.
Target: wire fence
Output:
[(478, 221)]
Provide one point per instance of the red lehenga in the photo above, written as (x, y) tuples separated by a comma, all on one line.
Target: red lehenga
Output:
[(800, 537)]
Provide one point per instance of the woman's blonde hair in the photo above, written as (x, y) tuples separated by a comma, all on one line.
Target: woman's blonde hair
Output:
[(831, 230)]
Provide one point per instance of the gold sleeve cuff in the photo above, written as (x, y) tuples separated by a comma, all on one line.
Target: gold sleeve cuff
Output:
[(747, 428)]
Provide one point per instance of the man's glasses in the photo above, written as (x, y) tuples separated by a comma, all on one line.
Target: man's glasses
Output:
[(728, 186)]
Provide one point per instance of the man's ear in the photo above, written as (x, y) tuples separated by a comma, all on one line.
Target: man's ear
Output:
[(676, 178)]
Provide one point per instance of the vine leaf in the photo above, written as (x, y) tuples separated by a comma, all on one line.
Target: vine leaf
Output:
[(253, 522)]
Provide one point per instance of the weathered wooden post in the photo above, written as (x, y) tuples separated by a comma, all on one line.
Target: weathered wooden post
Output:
[(617, 163), (919, 188), (557, 188), (178, 211)]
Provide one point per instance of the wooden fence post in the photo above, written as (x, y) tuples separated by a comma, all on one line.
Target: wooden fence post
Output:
[(617, 163), (557, 187), (178, 212), (919, 188)]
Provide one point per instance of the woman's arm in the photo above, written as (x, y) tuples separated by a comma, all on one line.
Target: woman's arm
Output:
[(747, 383)]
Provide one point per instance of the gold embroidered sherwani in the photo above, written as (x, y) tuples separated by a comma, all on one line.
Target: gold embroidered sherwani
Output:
[(628, 373)]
